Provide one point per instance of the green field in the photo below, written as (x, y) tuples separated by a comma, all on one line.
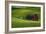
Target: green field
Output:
[(19, 14)]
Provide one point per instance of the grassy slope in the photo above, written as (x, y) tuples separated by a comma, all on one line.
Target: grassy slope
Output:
[(24, 23), (17, 22)]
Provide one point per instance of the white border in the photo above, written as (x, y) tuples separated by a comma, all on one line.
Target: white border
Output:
[(32, 28)]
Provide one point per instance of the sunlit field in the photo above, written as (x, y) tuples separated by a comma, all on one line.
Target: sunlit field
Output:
[(19, 17)]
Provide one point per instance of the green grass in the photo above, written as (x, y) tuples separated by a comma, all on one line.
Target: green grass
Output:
[(16, 25), (19, 13), (24, 23)]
